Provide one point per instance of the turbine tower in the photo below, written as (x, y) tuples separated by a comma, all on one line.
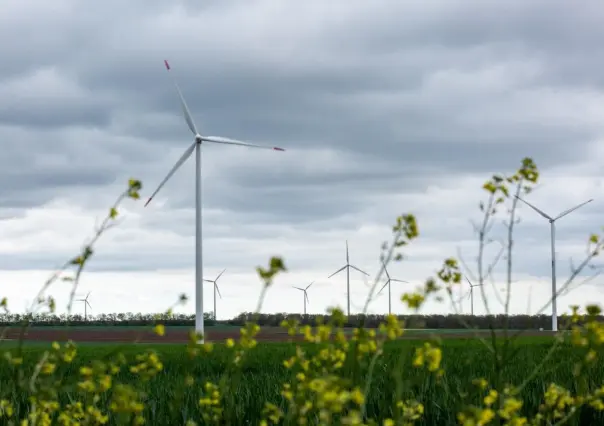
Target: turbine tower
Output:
[(216, 289), (552, 222), (347, 267), (389, 291), (86, 305), (196, 146), (305, 291)]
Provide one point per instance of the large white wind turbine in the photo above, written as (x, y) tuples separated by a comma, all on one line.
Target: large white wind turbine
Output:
[(347, 267), (552, 223), (216, 289), (196, 145), (305, 291), (389, 291)]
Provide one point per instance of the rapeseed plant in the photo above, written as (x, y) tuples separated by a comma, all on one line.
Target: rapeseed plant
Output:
[(328, 384)]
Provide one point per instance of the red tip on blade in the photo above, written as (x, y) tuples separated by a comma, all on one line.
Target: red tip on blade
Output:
[(278, 149), (167, 64), (148, 201)]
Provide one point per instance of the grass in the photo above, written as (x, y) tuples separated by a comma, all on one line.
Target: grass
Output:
[(264, 373)]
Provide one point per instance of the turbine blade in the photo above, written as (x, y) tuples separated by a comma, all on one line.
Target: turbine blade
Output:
[(306, 297), (535, 208), (565, 212), (383, 287), (338, 271), (308, 286), (218, 290), (227, 141), (88, 304), (298, 288), (208, 281), (400, 281), (347, 257), (386, 270), (472, 285), (88, 295), (468, 280), (179, 163), (183, 104), (362, 272), (219, 275)]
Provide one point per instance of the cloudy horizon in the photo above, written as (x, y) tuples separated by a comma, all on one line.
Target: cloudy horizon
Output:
[(383, 108)]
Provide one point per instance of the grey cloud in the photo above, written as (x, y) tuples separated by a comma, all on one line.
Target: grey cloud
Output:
[(37, 167), (403, 96)]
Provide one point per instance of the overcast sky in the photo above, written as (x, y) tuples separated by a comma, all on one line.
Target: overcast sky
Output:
[(383, 107)]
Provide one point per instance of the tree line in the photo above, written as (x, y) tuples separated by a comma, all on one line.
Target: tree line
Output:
[(518, 322)]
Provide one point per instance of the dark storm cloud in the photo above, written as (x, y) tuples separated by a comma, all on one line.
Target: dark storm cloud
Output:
[(37, 166)]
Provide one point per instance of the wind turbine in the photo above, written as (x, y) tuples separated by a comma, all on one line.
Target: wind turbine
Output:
[(216, 289), (305, 291), (86, 305), (552, 222), (472, 295), (388, 284), (196, 146), (347, 267)]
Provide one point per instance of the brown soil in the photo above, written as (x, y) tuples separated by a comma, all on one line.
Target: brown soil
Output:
[(181, 336)]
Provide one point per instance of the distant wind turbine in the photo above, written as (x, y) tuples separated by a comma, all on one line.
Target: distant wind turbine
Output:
[(552, 221), (472, 295), (389, 291), (86, 305), (196, 146), (347, 267), (305, 291), (216, 289)]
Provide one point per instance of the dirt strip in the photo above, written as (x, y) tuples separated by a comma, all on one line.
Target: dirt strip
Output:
[(118, 335)]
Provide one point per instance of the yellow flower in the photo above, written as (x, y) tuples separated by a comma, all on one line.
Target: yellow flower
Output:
[(484, 417), (481, 383), (490, 398), (510, 407), (85, 371), (413, 300), (358, 397)]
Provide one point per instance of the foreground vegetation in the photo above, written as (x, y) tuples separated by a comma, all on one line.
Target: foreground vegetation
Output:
[(366, 377), (169, 400)]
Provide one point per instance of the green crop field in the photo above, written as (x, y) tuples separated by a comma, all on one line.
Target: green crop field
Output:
[(264, 373)]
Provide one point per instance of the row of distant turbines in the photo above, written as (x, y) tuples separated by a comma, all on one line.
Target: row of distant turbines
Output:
[(304, 290), (348, 267), (196, 146)]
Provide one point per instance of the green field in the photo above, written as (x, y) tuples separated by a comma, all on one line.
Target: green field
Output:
[(263, 374)]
